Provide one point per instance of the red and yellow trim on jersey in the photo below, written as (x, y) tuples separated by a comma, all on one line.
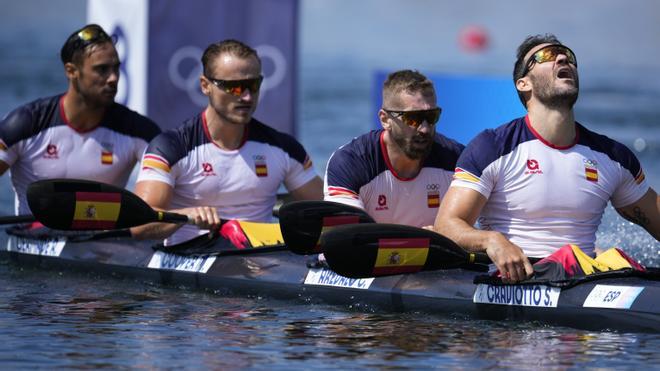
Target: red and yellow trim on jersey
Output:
[(307, 163), (342, 192), (465, 175), (154, 162), (106, 157), (640, 177), (401, 255), (96, 210), (591, 174)]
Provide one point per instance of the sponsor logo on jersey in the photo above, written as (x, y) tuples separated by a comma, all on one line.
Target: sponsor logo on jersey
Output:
[(517, 295), (533, 167), (51, 152), (464, 175), (382, 203), (207, 169), (106, 153), (260, 167), (326, 277), (155, 162), (590, 170)]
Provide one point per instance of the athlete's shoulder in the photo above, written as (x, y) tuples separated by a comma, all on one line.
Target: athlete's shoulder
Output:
[(365, 146), (29, 119), (128, 122), (491, 144), (176, 143), (615, 150), (262, 133)]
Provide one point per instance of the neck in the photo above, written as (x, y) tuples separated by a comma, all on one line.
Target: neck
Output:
[(556, 126), (225, 135), (79, 113), (404, 166)]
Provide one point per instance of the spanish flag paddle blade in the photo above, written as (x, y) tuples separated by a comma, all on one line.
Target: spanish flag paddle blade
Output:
[(303, 222), (373, 250), (71, 204)]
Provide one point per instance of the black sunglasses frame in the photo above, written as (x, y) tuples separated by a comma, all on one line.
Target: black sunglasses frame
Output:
[(253, 84), (419, 119), (533, 59)]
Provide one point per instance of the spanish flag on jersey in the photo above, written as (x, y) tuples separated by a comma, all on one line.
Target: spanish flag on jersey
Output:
[(401, 255)]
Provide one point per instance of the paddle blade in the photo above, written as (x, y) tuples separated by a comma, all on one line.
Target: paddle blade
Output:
[(373, 250), (302, 222), (71, 204)]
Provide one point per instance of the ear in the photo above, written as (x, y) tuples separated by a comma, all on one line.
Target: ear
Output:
[(384, 119), (70, 70), (523, 84), (205, 85)]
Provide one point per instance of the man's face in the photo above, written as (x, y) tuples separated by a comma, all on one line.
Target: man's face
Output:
[(97, 77), (229, 106), (415, 143), (555, 83)]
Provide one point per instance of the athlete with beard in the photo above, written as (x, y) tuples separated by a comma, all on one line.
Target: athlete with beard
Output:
[(223, 163), (80, 134), (542, 181), (400, 173)]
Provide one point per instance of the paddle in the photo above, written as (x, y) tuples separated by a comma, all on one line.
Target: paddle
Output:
[(71, 204), (373, 250), (15, 219), (303, 221)]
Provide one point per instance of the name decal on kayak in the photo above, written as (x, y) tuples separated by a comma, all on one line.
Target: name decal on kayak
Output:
[(162, 260), (518, 295), (49, 247), (326, 277), (608, 296)]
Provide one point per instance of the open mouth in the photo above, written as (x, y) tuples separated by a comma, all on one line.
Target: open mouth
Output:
[(564, 73)]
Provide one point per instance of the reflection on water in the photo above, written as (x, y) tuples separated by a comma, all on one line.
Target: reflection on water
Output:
[(61, 319)]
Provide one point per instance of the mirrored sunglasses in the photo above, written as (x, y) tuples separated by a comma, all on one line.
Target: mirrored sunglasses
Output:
[(414, 119), (238, 87), (549, 54)]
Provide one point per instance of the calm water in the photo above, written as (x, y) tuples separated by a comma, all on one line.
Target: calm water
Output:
[(52, 319)]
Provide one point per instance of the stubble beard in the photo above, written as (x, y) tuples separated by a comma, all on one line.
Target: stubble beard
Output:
[(407, 146), (553, 97)]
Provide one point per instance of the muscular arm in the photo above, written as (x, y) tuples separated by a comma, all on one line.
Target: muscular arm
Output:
[(456, 217), (312, 190), (645, 213), (158, 195)]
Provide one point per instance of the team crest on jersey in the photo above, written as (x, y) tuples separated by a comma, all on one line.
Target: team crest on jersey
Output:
[(51, 152), (260, 167), (382, 203), (106, 153), (591, 170), (207, 169), (433, 195), (533, 167)]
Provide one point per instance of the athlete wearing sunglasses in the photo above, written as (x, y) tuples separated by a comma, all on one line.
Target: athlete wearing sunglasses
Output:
[(398, 174), (223, 163), (542, 181)]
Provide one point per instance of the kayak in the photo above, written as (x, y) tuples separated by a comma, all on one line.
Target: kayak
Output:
[(622, 301)]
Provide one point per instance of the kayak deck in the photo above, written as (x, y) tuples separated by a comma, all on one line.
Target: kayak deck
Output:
[(617, 303)]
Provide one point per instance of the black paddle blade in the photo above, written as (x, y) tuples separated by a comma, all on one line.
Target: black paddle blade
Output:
[(71, 204), (373, 250), (302, 222)]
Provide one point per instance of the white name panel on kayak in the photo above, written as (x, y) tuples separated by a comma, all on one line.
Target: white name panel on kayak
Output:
[(608, 296), (518, 295), (49, 247), (162, 260), (326, 277)]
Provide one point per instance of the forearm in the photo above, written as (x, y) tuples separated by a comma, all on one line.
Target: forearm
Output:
[(466, 235), (154, 231)]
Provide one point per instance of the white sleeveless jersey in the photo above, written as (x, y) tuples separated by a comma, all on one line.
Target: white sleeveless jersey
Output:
[(360, 174), (37, 142), (242, 184), (542, 197)]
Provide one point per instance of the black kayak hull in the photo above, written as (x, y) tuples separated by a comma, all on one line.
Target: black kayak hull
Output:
[(284, 275)]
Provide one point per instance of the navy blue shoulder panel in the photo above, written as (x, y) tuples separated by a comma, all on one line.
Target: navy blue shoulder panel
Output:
[(613, 149), (125, 121), (175, 144), (358, 162), (259, 132), (30, 119), (444, 153), (491, 144)]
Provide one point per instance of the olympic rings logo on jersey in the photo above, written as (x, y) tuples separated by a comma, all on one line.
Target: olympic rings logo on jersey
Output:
[(187, 56), (590, 162), (432, 187)]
